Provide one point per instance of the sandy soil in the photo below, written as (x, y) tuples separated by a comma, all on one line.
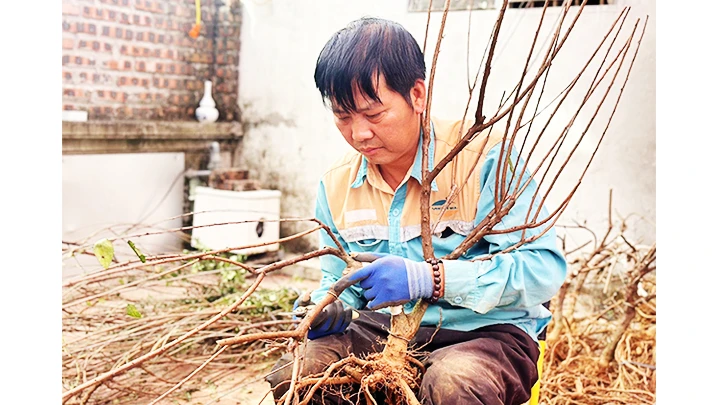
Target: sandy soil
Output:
[(246, 387)]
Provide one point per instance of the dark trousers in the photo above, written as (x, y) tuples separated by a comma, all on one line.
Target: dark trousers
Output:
[(491, 365)]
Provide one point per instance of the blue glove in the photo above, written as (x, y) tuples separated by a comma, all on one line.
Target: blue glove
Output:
[(392, 280), (333, 319)]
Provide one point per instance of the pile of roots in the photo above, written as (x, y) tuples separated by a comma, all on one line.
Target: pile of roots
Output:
[(574, 374), (601, 342)]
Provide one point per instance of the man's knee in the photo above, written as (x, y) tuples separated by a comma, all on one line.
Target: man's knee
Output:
[(280, 374), (460, 382), (317, 355)]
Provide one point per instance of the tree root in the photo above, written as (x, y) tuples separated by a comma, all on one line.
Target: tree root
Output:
[(374, 378)]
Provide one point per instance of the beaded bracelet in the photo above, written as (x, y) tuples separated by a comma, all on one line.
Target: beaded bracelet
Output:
[(438, 280)]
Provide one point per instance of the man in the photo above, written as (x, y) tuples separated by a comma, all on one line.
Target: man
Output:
[(372, 75)]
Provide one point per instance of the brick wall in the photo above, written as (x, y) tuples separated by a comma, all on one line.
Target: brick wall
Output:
[(134, 59)]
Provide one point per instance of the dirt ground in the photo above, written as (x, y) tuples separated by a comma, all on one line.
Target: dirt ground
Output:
[(246, 387)]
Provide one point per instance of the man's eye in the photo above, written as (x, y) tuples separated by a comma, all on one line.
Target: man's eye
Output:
[(374, 116)]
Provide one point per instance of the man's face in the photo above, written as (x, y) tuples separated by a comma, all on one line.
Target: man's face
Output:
[(384, 132)]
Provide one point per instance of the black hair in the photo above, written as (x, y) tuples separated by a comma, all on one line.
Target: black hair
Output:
[(359, 53)]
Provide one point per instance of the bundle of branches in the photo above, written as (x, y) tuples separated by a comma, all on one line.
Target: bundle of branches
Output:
[(161, 305), (604, 353), (395, 373)]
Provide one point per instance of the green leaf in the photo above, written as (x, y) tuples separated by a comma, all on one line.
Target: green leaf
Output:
[(104, 252), (132, 311), (137, 252), (510, 163)]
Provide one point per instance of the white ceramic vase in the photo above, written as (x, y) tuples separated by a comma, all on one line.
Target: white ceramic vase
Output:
[(206, 111)]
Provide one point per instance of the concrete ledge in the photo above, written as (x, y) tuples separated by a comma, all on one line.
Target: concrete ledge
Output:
[(147, 136)]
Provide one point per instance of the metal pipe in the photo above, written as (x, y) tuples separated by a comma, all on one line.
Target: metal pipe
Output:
[(214, 162), (190, 173)]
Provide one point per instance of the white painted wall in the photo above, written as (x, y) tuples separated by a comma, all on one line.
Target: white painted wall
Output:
[(132, 193), (290, 138)]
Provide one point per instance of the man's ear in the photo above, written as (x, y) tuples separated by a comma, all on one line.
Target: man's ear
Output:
[(418, 96)]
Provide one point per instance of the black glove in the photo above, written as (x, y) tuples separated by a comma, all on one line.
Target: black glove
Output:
[(333, 319)]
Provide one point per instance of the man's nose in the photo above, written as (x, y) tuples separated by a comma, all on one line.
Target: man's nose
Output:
[(361, 130)]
